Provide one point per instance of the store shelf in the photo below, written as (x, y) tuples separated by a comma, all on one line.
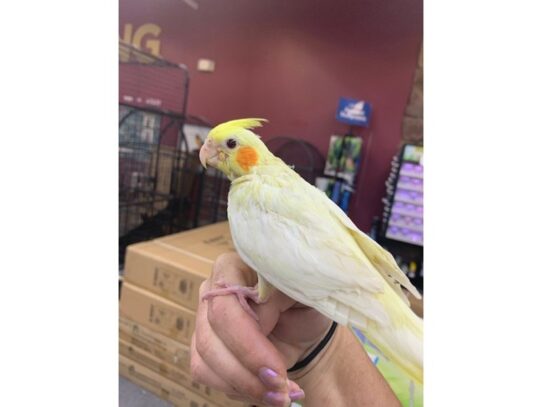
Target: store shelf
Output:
[(411, 174), (402, 229), (406, 213), (409, 187), (404, 239), (409, 201), (404, 225)]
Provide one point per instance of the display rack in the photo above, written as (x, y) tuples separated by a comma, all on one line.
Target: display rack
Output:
[(401, 230), (404, 203)]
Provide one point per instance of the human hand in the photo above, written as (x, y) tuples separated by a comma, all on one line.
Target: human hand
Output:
[(245, 358)]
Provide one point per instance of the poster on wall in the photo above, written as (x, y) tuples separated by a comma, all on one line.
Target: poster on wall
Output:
[(354, 112), (413, 154), (343, 157)]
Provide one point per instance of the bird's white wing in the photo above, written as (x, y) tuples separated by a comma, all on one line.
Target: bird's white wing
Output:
[(380, 258), (293, 240)]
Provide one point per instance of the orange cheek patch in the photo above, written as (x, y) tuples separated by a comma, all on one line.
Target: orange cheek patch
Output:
[(246, 157)]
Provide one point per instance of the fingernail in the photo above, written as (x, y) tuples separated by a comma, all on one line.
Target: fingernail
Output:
[(272, 398), (270, 378), (296, 395)]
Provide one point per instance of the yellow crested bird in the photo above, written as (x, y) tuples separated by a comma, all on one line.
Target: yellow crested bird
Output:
[(301, 243)]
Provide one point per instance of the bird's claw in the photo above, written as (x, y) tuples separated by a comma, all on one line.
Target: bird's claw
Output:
[(242, 293)]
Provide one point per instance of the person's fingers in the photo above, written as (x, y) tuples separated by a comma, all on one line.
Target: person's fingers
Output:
[(227, 318), (244, 338), (233, 335), (269, 312), (202, 374), (219, 359)]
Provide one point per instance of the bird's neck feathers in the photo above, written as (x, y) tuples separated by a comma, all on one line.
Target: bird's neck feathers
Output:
[(271, 170)]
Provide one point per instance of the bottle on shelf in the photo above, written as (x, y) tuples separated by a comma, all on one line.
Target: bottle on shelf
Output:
[(412, 269)]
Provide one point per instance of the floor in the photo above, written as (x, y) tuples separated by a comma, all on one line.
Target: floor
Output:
[(131, 395)]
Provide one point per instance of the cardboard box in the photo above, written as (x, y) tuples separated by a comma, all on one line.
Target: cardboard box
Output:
[(162, 387), (161, 346), (205, 243), (175, 266), (174, 374), (157, 313)]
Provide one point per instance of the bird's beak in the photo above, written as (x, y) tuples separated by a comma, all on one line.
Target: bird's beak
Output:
[(208, 154)]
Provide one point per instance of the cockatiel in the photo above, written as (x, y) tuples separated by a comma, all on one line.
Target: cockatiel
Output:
[(301, 243)]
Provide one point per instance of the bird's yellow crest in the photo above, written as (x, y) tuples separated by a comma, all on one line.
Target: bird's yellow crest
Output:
[(224, 130)]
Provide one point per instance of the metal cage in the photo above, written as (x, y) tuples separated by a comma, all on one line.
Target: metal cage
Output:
[(304, 158), (158, 173)]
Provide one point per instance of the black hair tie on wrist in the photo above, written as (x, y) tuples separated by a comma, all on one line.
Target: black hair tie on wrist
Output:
[(302, 363)]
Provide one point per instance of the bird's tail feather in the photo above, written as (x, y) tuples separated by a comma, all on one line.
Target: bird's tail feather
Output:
[(392, 327), (401, 344)]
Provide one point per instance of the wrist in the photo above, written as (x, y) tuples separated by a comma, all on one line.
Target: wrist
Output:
[(344, 375), (313, 352), (324, 362)]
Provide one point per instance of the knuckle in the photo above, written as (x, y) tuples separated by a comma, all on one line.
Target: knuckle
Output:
[(255, 391), (203, 345), (203, 288), (249, 389), (224, 263), (195, 362), (196, 371), (221, 261)]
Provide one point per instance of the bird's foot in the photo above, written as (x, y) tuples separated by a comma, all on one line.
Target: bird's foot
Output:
[(242, 294)]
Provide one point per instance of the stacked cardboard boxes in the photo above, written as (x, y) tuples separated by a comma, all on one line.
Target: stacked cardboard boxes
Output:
[(157, 313)]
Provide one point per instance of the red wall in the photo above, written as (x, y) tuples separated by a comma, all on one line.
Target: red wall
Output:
[(290, 61)]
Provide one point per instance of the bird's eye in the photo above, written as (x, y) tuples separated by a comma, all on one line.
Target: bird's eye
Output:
[(231, 143)]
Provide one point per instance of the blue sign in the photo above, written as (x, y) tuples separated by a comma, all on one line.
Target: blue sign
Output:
[(354, 112)]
